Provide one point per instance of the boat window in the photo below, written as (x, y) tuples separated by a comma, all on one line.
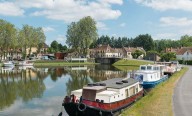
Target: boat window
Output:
[(149, 67), (143, 68), (151, 76), (126, 93)]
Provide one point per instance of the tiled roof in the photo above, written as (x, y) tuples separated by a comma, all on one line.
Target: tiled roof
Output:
[(183, 50), (131, 49)]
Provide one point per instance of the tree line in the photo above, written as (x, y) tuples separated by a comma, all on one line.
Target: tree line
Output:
[(82, 35), (12, 39)]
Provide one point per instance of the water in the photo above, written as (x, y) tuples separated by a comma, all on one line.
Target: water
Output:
[(29, 91)]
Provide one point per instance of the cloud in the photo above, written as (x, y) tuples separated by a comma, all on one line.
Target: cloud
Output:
[(164, 5), (61, 39), (10, 9), (120, 2), (48, 29), (41, 107), (122, 25), (172, 21), (102, 26), (165, 36), (64, 10)]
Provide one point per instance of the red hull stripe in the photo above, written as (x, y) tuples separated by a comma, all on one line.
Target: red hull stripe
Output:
[(113, 105)]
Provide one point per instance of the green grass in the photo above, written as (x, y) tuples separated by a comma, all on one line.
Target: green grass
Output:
[(125, 62), (126, 65), (158, 102), (59, 63)]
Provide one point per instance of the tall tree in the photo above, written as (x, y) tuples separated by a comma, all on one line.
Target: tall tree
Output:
[(31, 37), (55, 46), (81, 35), (8, 34), (186, 41), (144, 41)]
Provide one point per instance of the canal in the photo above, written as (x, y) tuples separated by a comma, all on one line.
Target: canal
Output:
[(30, 91)]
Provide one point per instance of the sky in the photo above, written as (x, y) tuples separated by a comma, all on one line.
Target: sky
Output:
[(162, 19)]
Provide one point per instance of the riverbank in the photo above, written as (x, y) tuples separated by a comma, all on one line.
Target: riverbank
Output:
[(51, 63), (126, 65), (158, 102)]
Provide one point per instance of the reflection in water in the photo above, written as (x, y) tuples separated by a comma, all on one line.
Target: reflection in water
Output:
[(38, 89), (19, 83)]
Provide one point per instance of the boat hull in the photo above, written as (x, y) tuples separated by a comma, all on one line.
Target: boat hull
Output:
[(147, 85), (92, 108)]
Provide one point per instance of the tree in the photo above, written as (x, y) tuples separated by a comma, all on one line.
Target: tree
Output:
[(136, 54), (186, 41), (168, 56), (31, 37), (54, 46), (144, 41), (82, 34), (8, 34)]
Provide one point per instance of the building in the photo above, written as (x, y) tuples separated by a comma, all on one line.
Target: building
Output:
[(105, 51), (184, 53)]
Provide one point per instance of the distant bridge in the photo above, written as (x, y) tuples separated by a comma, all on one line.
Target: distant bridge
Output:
[(107, 60)]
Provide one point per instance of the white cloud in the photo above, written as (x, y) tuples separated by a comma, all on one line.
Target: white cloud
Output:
[(120, 2), (71, 10), (102, 26), (48, 29), (10, 9), (165, 36), (122, 25), (61, 39), (163, 5), (172, 21)]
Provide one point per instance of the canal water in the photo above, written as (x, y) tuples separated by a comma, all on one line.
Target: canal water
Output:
[(30, 91)]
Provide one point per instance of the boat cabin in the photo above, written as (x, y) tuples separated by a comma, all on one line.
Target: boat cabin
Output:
[(148, 75), (156, 67), (108, 91)]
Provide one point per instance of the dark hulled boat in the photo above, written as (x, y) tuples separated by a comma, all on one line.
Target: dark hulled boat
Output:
[(106, 98)]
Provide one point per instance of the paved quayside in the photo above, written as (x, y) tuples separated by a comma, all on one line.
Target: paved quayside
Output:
[(182, 98)]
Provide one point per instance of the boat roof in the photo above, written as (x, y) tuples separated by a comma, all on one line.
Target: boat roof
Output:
[(146, 71), (111, 83)]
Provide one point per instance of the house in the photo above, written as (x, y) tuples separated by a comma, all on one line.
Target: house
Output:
[(174, 50), (127, 52), (105, 51), (34, 50), (152, 57), (17, 54), (184, 53)]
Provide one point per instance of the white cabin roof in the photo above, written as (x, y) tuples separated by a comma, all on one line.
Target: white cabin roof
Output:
[(107, 93)]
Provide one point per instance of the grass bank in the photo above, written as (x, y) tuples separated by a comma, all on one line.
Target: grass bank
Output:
[(126, 65), (158, 102), (60, 63)]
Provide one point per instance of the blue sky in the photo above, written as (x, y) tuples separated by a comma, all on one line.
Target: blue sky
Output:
[(162, 19)]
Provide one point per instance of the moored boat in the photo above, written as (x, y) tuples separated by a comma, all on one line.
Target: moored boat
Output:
[(8, 64), (105, 98), (151, 75), (24, 63), (170, 67)]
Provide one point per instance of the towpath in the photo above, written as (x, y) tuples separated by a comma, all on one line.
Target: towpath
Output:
[(182, 98)]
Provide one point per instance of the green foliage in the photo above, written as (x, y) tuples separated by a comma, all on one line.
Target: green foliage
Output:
[(168, 56), (137, 53), (8, 36), (144, 41), (81, 34), (186, 41), (54, 46), (31, 37)]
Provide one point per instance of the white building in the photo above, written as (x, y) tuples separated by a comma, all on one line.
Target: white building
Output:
[(185, 53)]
